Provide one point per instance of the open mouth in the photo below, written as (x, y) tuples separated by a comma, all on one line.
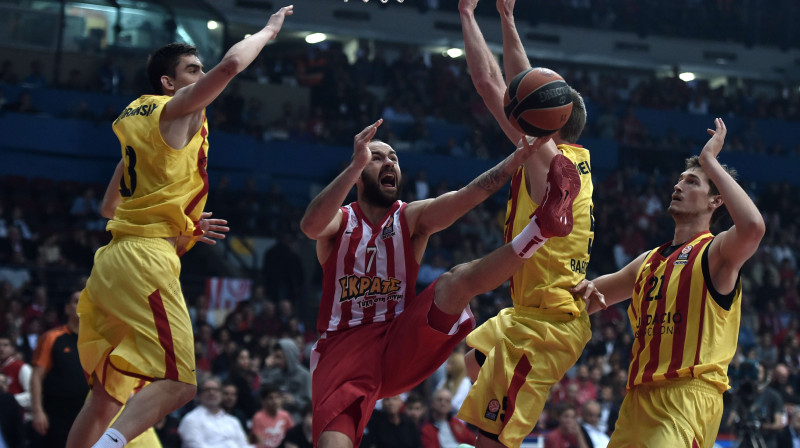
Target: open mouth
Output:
[(389, 179)]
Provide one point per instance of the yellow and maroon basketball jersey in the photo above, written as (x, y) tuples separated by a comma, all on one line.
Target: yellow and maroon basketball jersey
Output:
[(542, 284), (683, 327), (163, 189)]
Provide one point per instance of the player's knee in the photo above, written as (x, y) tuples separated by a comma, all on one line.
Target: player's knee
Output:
[(186, 392), (453, 284)]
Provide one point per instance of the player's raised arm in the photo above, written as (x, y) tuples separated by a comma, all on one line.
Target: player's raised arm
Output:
[(197, 96), (484, 69), (734, 246), (515, 60), (322, 216), (432, 215)]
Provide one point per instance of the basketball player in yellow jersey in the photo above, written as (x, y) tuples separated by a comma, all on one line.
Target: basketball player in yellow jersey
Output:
[(685, 309), (133, 320), (518, 355)]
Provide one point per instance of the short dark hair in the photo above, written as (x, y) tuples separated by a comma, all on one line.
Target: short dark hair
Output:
[(268, 389), (7, 335), (722, 210), (573, 129), (164, 61)]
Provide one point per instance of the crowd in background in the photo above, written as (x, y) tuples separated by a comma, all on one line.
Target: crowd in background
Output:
[(259, 352)]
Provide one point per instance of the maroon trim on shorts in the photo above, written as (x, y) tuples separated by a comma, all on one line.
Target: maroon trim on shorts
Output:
[(517, 381), (164, 335)]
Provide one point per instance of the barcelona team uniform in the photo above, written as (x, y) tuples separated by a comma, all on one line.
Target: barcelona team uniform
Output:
[(531, 346), (685, 335), (134, 324)]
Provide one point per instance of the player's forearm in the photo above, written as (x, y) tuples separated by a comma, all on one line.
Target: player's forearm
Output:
[(485, 73), (242, 54), (743, 211), (321, 211), (515, 60)]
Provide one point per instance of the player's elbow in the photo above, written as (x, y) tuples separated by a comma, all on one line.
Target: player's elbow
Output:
[(231, 65), (754, 228), (488, 87), (309, 229)]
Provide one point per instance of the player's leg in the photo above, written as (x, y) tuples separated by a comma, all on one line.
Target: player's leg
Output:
[(94, 417), (151, 404), (553, 218), (334, 439)]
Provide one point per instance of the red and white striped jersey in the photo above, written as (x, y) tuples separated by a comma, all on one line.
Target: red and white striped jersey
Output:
[(371, 274)]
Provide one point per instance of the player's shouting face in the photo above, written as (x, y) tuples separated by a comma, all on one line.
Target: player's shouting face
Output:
[(381, 177)]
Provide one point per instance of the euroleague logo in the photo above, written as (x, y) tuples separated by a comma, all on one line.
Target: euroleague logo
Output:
[(492, 409)]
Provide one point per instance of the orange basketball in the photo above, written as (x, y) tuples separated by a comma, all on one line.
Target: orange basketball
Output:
[(538, 102)]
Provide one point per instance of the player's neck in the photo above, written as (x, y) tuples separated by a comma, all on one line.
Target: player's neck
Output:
[(683, 232), (373, 213)]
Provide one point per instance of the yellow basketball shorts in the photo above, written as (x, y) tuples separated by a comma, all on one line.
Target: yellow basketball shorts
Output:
[(525, 356), (133, 320), (683, 413)]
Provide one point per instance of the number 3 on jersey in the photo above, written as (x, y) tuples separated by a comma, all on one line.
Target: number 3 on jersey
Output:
[(124, 190)]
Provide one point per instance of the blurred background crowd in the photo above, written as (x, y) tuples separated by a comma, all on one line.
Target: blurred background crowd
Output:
[(253, 356)]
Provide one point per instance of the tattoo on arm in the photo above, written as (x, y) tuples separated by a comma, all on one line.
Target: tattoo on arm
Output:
[(492, 180)]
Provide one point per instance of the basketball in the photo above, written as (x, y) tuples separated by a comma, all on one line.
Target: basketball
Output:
[(538, 102)]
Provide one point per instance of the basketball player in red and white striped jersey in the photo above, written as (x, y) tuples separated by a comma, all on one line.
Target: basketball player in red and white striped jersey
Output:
[(378, 337), (685, 309)]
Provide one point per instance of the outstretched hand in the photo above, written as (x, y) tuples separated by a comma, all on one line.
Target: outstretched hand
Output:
[(213, 229), (276, 21), (528, 146), (595, 301), (506, 8), (714, 144), (361, 152), (467, 5)]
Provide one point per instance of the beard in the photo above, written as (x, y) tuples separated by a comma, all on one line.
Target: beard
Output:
[(373, 194)]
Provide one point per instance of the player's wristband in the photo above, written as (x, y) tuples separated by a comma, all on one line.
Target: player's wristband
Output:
[(529, 240)]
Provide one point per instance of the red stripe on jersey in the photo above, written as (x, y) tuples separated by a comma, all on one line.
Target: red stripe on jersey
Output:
[(655, 340), (329, 279), (346, 312), (640, 332), (521, 371), (164, 334), (695, 444), (700, 327), (201, 167), (516, 181), (682, 307)]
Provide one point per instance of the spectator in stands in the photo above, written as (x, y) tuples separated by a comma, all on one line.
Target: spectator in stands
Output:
[(16, 371), (590, 419), (416, 409), (456, 380), (229, 396), (389, 427), (12, 432), (300, 436), (568, 434), (444, 429), (240, 374), (208, 425), (789, 436), (58, 385), (271, 423), (284, 371)]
